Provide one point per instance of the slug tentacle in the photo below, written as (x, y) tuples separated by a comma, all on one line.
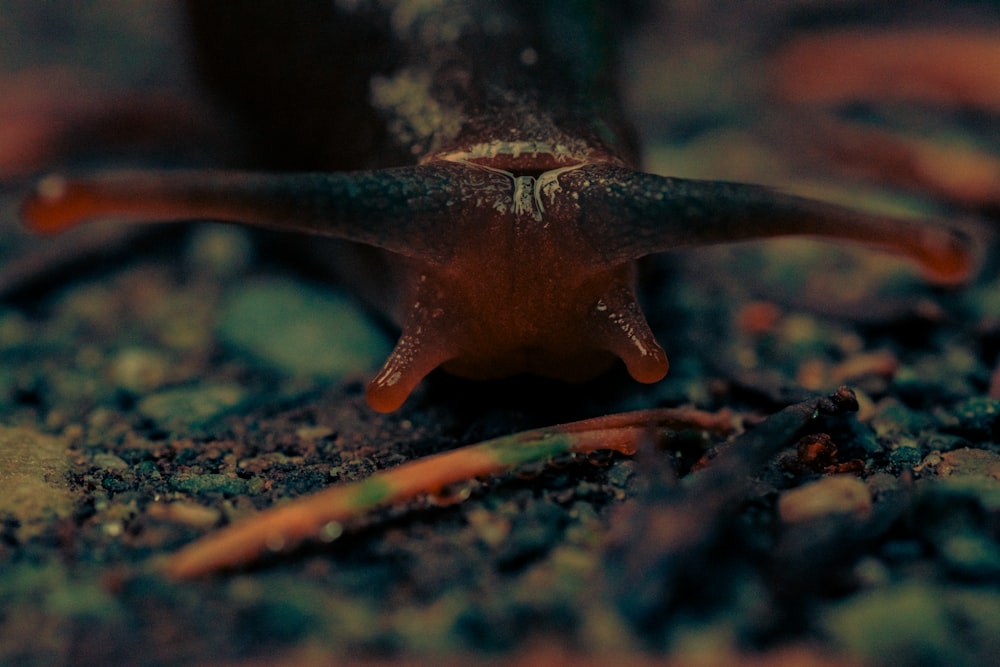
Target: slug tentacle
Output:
[(618, 325), (657, 213), (396, 209), (416, 354), (426, 341)]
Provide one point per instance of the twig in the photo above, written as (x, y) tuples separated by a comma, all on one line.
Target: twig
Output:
[(284, 528)]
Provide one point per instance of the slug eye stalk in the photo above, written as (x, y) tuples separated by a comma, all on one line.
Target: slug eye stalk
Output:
[(393, 209), (657, 213)]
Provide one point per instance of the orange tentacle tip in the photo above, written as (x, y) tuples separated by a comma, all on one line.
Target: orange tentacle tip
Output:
[(947, 256), (57, 204)]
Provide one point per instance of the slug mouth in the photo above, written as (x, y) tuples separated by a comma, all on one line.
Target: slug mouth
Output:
[(537, 361)]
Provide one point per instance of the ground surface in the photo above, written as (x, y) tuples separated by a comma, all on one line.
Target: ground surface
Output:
[(199, 379)]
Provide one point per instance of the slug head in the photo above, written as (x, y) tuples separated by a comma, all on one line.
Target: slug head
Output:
[(511, 266)]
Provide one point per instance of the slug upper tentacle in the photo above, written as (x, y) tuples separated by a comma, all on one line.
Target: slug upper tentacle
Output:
[(394, 209), (657, 213)]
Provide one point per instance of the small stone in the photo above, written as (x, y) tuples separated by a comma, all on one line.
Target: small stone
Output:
[(905, 453), (140, 370), (302, 331), (186, 513), (108, 461), (964, 461), (317, 432), (229, 485), (971, 555), (491, 528), (976, 418), (905, 625), (33, 469), (182, 408), (15, 329), (840, 494), (222, 250)]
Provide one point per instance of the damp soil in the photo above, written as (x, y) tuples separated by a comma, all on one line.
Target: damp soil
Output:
[(174, 384)]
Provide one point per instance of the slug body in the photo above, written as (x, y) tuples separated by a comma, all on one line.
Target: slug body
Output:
[(495, 176)]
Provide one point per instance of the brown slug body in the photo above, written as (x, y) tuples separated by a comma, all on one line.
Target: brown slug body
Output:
[(506, 195)]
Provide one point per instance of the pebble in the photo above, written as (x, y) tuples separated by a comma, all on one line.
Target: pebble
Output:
[(905, 453), (15, 329), (971, 555), (222, 250), (186, 513), (964, 461), (33, 470), (976, 418), (140, 370), (226, 484), (181, 408), (302, 331), (905, 625), (108, 461), (840, 494)]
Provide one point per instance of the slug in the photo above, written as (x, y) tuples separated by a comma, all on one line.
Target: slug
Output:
[(478, 151)]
